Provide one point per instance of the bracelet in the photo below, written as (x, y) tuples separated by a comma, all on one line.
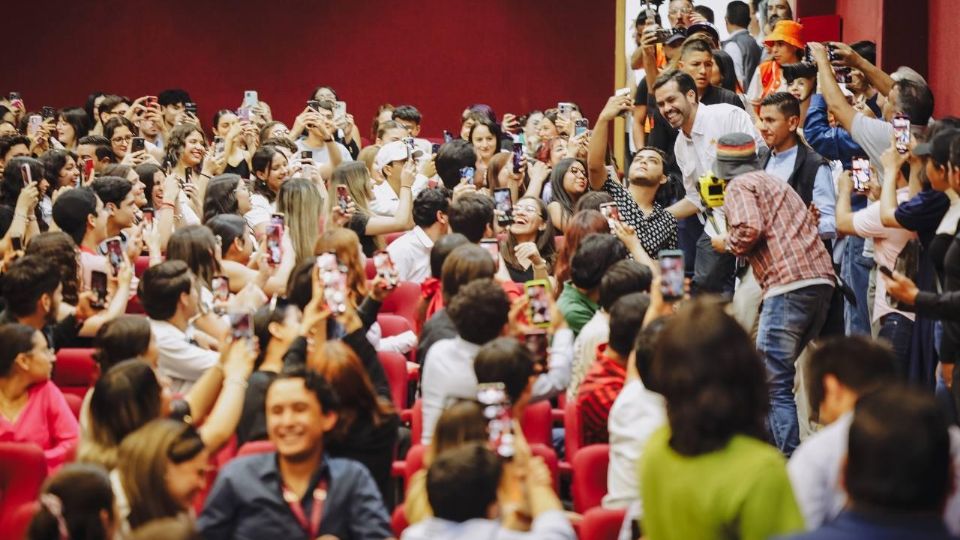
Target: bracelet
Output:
[(408, 187)]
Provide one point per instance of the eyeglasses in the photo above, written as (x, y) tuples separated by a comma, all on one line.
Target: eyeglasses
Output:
[(118, 140)]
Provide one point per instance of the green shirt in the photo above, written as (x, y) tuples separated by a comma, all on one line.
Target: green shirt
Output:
[(740, 491), (576, 307)]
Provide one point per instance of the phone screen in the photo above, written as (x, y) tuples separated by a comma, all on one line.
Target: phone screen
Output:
[(26, 173), (274, 243), (221, 288), (334, 279), (580, 126), (496, 409), (385, 268), (17, 243), (98, 284), (468, 174), (539, 295), (860, 172), (147, 216), (241, 325), (537, 343), (517, 157), (671, 274), (610, 211), (447, 136), (503, 204), (115, 253), (87, 167), (219, 145), (343, 197), (901, 125), (493, 248)]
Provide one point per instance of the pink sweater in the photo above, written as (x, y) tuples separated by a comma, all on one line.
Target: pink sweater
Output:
[(46, 421)]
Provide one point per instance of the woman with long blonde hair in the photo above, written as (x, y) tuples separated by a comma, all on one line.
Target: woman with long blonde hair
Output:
[(301, 204), (343, 243), (368, 225)]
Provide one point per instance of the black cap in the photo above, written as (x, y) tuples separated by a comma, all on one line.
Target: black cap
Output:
[(938, 148)]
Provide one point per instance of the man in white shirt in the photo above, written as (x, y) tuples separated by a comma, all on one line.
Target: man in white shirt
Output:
[(835, 385), (389, 162), (696, 150), (411, 251), (462, 486), (320, 128), (169, 295)]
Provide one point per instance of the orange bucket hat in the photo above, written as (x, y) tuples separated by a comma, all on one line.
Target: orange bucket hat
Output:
[(790, 32)]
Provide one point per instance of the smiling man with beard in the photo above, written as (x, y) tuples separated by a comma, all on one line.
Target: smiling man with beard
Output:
[(297, 491), (656, 228), (695, 150)]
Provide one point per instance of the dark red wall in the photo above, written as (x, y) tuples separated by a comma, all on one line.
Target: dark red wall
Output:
[(944, 45), (440, 55)]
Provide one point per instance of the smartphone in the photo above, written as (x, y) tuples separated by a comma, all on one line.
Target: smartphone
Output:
[(33, 124), (468, 173), (151, 102), (564, 109), (26, 174), (885, 270), (15, 99), (385, 268), (538, 291), (221, 288), (88, 165), (671, 274), (343, 197), (47, 112), (503, 204), (306, 155), (243, 114), (625, 91), (580, 126), (901, 126), (496, 409), (114, 252), (435, 148), (241, 325), (190, 107), (340, 110), (537, 342), (493, 248), (860, 171), (98, 284), (611, 211), (411, 146), (334, 279), (447, 136), (250, 98), (517, 157), (313, 105), (219, 145), (17, 243), (147, 216), (138, 145), (274, 244)]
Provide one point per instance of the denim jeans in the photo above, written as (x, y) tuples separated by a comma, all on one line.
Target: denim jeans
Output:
[(713, 272), (898, 330), (787, 323), (855, 272)]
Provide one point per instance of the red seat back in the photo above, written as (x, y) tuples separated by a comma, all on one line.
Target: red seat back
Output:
[(602, 523), (395, 367), (573, 436), (140, 265), (550, 459), (75, 371), (370, 269), (398, 521), (392, 325), (537, 423), (75, 402), (134, 307), (590, 476), (257, 447), (416, 422), (403, 301), (414, 462), (389, 238), (22, 471)]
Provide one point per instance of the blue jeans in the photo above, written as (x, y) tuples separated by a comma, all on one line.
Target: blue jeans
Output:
[(898, 330), (787, 323), (713, 272), (855, 272)]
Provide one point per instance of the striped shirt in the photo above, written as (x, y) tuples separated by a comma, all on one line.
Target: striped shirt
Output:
[(768, 224), (599, 390)]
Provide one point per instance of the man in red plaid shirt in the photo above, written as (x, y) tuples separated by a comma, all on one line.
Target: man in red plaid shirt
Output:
[(768, 224)]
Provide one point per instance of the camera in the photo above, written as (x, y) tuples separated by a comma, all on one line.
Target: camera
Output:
[(711, 189)]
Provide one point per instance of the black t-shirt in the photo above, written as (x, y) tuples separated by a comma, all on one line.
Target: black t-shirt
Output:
[(358, 224), (661, 134)]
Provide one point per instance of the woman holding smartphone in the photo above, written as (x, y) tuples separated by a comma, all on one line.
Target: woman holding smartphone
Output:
[(270, 171), (528, 249), (120, 132), (239, 139), (568, 183), (72, 125), (349, 200)]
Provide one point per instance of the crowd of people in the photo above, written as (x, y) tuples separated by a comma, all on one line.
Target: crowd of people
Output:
[(756, 312)]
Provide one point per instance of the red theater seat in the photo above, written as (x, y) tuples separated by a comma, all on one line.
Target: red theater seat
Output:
[(75, 371), (395, 367), (537, 423), (22, 471), (403, 301), (256, 447), (602, 524), (590, 476)]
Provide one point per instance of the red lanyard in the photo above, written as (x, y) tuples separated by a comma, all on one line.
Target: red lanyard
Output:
[(316, 514)]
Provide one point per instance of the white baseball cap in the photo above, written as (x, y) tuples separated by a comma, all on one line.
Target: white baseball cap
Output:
[(393, 151)]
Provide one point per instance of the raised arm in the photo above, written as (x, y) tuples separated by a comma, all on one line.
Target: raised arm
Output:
[(891, 160), (827, 83), (596, 155)]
